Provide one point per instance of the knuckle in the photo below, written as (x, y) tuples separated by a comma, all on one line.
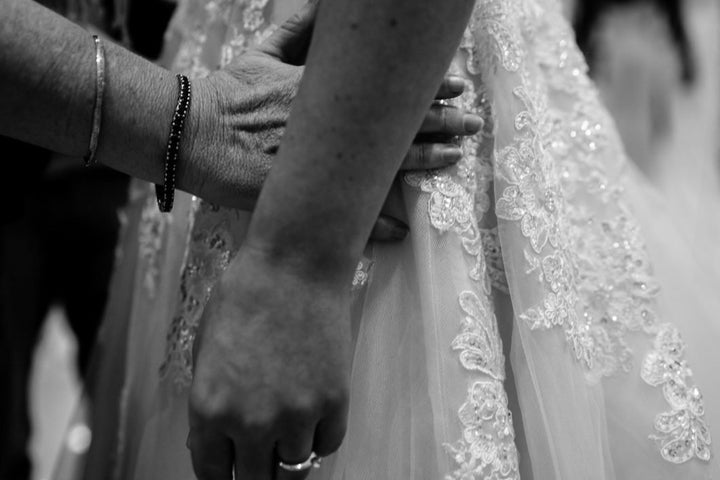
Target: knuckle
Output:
[(303, 407), (208, 407), (305, 404)]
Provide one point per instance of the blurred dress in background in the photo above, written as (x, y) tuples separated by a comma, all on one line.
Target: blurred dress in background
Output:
[(669, 120)]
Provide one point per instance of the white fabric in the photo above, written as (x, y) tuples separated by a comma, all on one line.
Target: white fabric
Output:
[(531, 236)]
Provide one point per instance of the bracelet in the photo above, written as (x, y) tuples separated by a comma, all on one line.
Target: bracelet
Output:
[(166, 192), (99, 93)]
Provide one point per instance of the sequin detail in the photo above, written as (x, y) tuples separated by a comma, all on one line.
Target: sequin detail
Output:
[(681, 432), (556, 169), (542, 175), (362, 274), (558, 179), (487, 449), (457, 201)]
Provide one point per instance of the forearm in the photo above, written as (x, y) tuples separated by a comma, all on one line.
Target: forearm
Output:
[(372, 71), (48, 84)]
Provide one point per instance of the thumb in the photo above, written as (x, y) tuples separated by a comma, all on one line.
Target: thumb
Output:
[(290, 42)]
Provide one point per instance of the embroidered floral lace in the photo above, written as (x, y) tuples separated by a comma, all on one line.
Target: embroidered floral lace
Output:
[(540, 182)]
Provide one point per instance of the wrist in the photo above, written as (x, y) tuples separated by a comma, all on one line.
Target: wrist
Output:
[(138, 107), (332, 269), (223, 159), (201, 131)]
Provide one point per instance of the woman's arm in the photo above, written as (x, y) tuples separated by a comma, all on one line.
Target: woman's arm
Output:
[(273, 351), (237, 117), (48, 92), (372, 72)]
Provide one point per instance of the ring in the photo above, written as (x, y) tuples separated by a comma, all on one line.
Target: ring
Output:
[(313, 461)]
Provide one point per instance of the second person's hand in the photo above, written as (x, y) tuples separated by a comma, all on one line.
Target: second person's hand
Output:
[(239, 115)]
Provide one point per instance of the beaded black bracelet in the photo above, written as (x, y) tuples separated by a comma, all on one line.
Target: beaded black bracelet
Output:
[(166, 192)]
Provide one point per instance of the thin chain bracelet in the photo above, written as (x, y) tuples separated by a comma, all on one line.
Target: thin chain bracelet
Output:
[(166, 192), (89, 159)]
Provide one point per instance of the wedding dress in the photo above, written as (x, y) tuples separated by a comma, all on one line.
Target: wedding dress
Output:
[(518, 332), (670, 130)]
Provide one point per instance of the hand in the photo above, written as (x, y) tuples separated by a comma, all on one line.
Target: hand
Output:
[(239, 114), (271, 375)]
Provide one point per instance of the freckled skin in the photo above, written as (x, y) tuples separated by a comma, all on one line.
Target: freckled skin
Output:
[(361, 101)]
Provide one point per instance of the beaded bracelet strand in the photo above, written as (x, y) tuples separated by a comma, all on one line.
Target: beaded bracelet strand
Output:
[(166, 192)]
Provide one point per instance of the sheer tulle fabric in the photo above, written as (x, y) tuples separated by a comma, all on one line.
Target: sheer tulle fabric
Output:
[(527, 249)]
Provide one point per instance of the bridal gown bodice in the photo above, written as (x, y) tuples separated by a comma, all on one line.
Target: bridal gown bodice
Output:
[(531, 230)]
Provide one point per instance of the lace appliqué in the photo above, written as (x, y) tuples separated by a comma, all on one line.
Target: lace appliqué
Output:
[(681, 432), (479, 342), (456, 202), (487, 449), (534, 199), (362, 274), (151, 236), (491, 39), (245, 25), (252, 30), (590, 263), (210, 249)]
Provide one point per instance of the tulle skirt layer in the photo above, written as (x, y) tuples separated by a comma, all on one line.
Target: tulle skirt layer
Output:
[(517, 332), (413, 397)]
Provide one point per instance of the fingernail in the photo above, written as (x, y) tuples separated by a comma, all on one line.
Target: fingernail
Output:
[(456, 84), (472, 123), (452, 154)]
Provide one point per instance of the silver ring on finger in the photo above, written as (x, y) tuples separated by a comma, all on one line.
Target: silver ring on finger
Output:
[(313, 461)]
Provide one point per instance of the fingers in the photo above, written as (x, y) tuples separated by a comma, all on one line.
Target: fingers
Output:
[(294, 449), (451, 87), (388, 229), (290, 42), (211, 454), (254, 461), (427, 156), (329, 435), (449, 121)]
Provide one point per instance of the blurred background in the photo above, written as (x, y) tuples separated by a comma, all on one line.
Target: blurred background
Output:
[(656, 63), (57, 250)]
